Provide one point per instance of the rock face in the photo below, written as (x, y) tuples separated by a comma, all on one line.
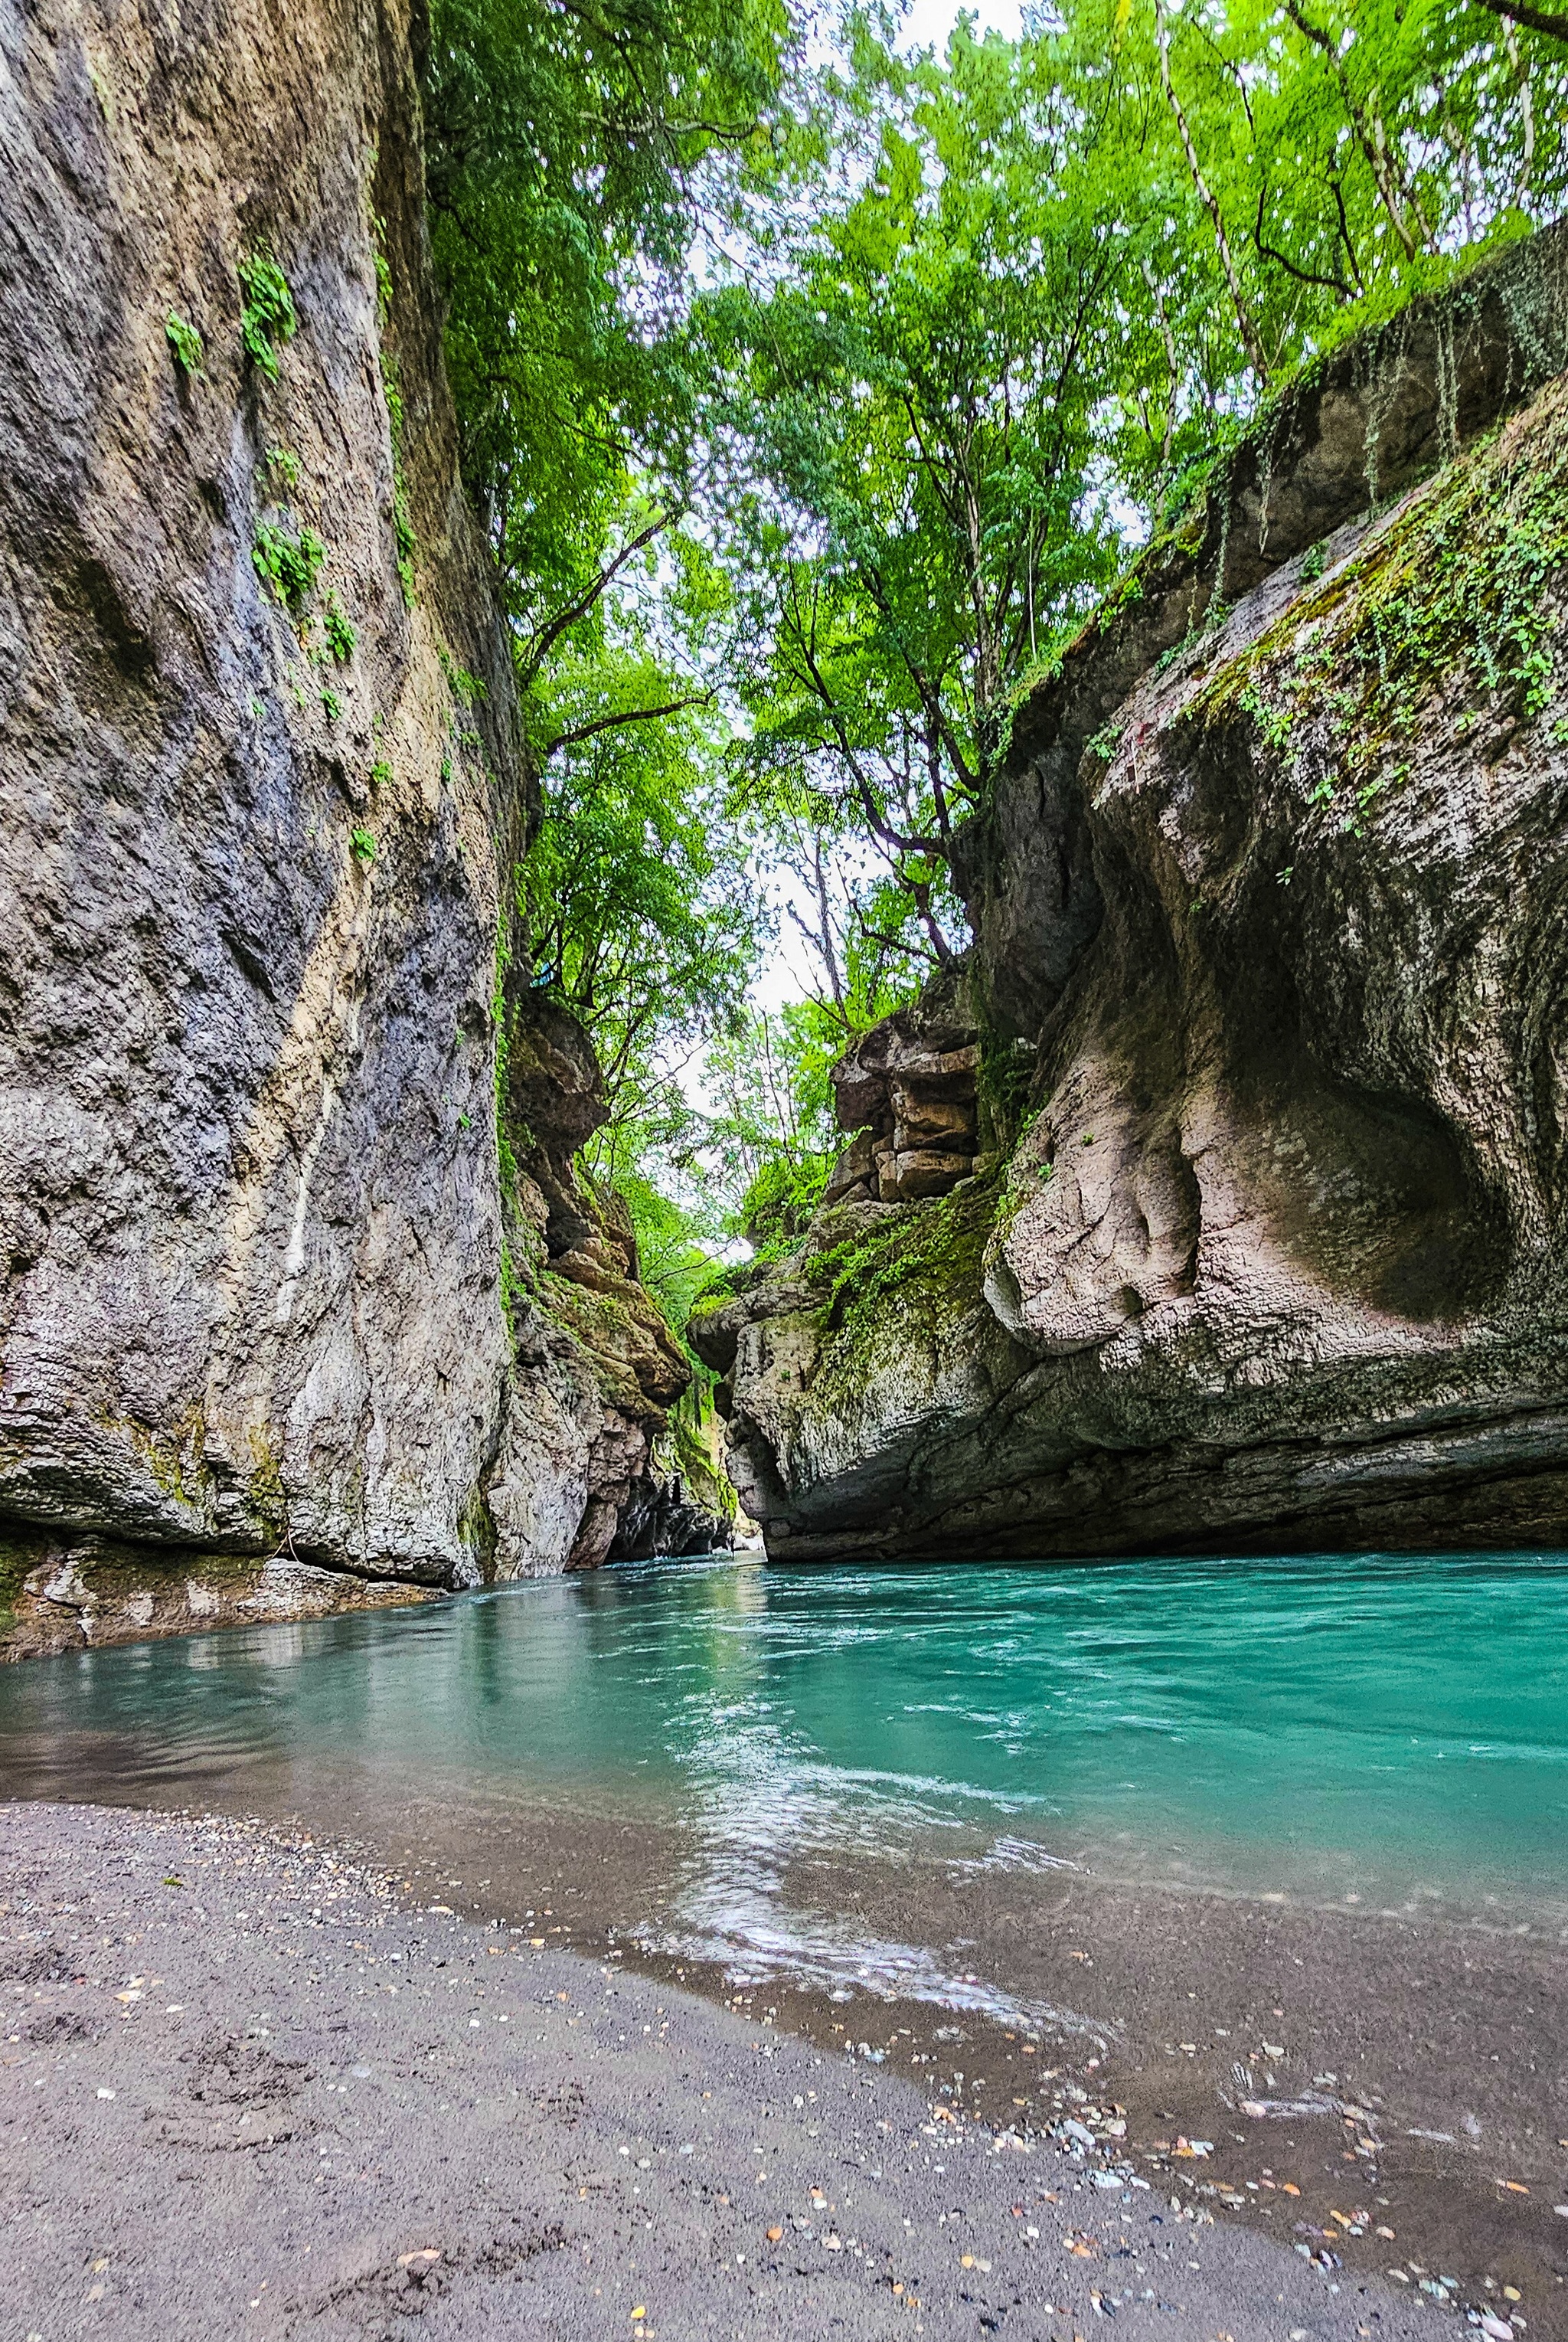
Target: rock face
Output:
[(1269, 1012), (909, 1092), (262, 776), (575, 1482)]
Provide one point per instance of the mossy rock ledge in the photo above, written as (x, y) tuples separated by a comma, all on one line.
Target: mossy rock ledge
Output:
[(1265, 1247)]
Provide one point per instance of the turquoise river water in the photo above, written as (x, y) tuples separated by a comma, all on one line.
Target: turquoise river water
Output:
[(758, 1746)]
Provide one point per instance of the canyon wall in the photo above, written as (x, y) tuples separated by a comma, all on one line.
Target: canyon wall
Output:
[(288, 1322), (1216, 1200)]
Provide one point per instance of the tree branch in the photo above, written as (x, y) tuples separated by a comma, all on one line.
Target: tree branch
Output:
[(1373, 146), (541, 645), (1534, 20), (1250, 342), (578, 732), (1301, 275), (896, 943), (875, 819)]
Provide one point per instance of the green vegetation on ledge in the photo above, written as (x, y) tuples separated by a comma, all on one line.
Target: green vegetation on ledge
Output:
[(1447, 597)]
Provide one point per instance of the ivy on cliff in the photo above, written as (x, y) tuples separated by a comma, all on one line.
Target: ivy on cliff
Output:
[(1458, 594)]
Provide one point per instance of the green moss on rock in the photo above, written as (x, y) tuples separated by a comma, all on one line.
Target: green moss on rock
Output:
[(906, 1280), (1454, 588)]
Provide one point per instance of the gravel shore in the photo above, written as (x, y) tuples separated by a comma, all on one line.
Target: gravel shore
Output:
[(250, 2089)]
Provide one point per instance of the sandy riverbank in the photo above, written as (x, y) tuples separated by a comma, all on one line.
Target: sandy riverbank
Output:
[(275, 2099), (1382, 2085)]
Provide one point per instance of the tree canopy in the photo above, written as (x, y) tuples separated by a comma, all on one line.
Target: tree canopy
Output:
[(811, 388)]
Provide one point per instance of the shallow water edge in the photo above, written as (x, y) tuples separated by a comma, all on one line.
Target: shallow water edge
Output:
[(1009, 1831)]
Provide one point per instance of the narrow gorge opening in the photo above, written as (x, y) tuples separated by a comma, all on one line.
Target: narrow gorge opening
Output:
[(779, 1135)]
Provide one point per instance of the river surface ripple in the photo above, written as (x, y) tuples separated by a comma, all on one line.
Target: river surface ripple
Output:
[(1387, 1731), (1270, 1855)]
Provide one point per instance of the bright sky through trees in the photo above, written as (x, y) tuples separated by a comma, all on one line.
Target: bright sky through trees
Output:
[(928, 22)]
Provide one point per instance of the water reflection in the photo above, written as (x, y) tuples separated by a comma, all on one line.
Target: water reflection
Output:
[(788, 1748), (759, 1801)]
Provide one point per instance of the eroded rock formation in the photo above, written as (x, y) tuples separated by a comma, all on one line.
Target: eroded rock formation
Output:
[(575, 1482), (1262, 1244), (909, 1091), (262, 775)]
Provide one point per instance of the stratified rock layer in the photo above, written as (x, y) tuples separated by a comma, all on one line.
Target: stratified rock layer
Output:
[(1269, 998), (250, 862), (909, 1090)]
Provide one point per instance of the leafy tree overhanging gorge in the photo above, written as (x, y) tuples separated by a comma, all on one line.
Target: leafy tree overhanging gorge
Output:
[(811, 393)]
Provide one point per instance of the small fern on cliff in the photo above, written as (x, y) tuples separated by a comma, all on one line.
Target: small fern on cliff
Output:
[(341, 635), (185, 342), (267, 316), (287, 563)]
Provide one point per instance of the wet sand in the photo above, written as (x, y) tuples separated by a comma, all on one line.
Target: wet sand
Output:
[(1407, 2071), (249, 2086), (1408, 2129)]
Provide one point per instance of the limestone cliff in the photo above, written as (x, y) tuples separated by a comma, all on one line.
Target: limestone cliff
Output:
[(269, 1342), (1218, 1201)]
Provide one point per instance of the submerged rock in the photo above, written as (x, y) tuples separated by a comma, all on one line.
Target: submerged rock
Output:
[(1261, 1240)]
